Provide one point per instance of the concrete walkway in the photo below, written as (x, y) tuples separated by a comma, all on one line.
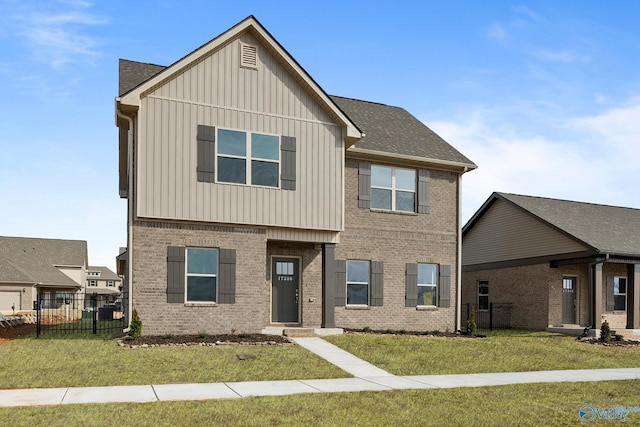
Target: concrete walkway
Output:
[(367, 378)]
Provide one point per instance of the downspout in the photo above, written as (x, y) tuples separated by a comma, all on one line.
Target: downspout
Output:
[(459, 253), (129, 272)]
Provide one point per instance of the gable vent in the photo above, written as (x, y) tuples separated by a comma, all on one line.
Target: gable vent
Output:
[(248, 56)]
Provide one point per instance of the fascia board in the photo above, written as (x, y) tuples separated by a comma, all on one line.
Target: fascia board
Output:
[(417, 160)]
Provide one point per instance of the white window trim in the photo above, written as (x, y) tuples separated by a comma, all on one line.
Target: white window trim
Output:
[(626, 284), (430, 285), (248, 158), (93, 283), (187, 275), (394, 187), (368, 283)]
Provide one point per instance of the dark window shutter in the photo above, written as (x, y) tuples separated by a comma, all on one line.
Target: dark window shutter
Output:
[(206, 153), (444, 287), (411, 286), (377, 283), (227, 276), (175, 274), (341, 282), (288, 163), (610, 296), (423, 190), (364, 185)]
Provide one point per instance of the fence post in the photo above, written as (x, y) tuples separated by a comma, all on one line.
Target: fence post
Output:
[(491, 316), (94, 304), (36, 303)]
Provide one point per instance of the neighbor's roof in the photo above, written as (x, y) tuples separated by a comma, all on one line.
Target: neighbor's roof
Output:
[(387, 129), (393, 130), (105, 273), (31, 260), (611, 230)]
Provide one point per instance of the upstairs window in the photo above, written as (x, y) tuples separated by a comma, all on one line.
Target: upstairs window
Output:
[(110, 283), (393, 189), (248, 158), (93, 283)]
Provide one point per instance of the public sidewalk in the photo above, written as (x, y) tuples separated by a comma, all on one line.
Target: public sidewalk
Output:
[(366, 378)]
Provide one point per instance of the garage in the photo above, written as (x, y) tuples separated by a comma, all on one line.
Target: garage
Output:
[(9, 299)]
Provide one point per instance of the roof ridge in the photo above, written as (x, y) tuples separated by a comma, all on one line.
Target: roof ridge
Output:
[(568, 201), (364, 100)]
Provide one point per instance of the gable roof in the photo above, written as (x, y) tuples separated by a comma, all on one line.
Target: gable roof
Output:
[(105, 273), (393, 130), (612, 230), (31, 260), (132, 96)]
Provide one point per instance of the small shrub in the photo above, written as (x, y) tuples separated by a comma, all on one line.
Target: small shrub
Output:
[(167, 336), (618, 337), (472, 327), (135, 329), (202, 334), (436, 333), (366, 329), (605, 332)]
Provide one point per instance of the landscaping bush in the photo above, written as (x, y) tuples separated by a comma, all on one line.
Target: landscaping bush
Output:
[(605, 332), (472, 327), (135, 329)]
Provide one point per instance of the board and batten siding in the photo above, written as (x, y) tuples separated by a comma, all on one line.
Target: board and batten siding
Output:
[(218, 92), (506, 233)]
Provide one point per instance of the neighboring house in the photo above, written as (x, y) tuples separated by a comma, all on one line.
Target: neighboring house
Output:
[(56, 269), (255, 199), (103, 281), (560, 263)]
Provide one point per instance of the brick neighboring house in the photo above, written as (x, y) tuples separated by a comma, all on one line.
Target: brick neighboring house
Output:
[(54, 268), (256, 200), (563, 265)]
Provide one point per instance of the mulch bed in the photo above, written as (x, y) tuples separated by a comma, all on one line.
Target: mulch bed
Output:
[(612, 343), (206, 340)]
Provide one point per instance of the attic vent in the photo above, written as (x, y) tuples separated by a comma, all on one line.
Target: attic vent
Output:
[(248, 55)]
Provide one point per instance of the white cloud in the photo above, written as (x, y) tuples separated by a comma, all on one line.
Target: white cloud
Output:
[(560, 56), (497, 32), (595, 160), (57, 32)]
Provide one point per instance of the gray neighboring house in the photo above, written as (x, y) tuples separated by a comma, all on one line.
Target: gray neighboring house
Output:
[(256, 201), (564, 265), (52, 267), (102, 281)]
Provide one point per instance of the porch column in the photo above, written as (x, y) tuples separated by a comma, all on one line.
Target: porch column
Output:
[(328, 285), (633, 296), (596, 300)]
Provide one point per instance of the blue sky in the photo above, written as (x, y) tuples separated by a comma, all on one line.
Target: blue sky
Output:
[(543, 96)]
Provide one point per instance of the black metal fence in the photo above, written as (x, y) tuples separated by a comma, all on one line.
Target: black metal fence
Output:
[(496, 316), (65, 313)]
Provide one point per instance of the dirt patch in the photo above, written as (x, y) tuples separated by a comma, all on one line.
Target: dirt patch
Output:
[(203, 340), (18, 331)]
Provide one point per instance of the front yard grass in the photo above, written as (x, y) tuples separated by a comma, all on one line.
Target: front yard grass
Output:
[(525, 404), (40, 362), (501, 351)]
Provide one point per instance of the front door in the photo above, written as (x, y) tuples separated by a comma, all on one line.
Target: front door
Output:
[(285, 293), (569, 300)]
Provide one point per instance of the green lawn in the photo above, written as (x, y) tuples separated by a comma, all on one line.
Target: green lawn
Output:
[(39, 362), (506, 351), (531, 404)]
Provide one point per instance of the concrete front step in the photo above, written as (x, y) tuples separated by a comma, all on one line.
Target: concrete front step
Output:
[(298, 332), (301, 332)]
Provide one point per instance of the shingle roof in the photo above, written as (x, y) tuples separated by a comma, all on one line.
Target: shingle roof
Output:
[(34, 260), (134, 73), (394, 130), (105, 273), (609, 229)]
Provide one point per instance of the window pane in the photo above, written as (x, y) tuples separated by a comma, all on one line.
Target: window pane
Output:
[(619, 302), (264, 173), (483, 290), (232, 170), (427, 274), (358, 294), (426, 295), (406, 179), (202, 261), (380, 176), (232, 142), (201, 288), (483, 303), (265, 146), (405, 201), (380, 199), (619, 285), (358, 271)]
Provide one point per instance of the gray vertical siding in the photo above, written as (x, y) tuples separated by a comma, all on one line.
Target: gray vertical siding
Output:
[(506, 233), (218, 92)]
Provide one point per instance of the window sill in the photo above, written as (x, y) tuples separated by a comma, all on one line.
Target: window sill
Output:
[(426, 308), (357, 307), (200, 304), (394, 212)]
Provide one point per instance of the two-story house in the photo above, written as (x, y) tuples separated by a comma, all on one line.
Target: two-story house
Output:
[(256, 200)]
